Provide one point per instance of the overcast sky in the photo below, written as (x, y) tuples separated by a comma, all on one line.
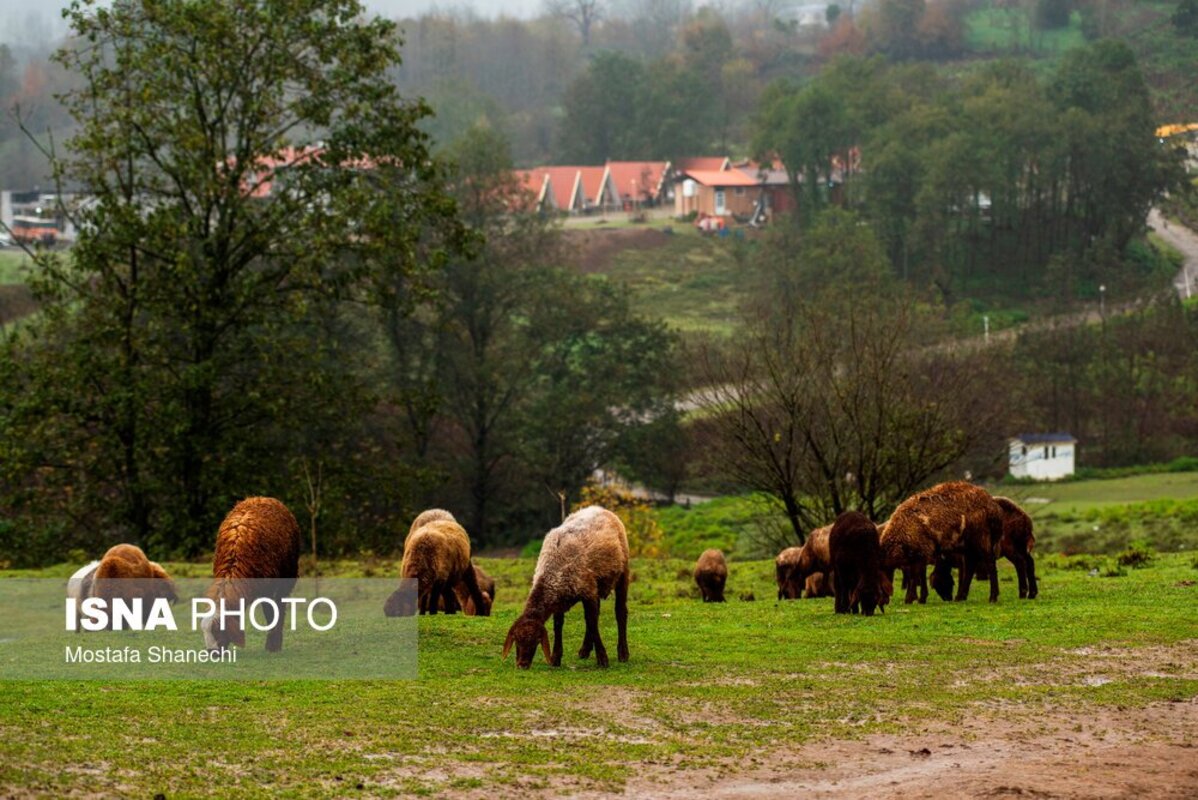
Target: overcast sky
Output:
[(30, 22)]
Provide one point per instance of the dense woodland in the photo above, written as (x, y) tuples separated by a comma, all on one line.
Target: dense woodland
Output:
[(373, 341)]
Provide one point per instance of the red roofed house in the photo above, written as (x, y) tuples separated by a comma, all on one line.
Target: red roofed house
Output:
[(597, 192), (536, 182), (704, 163), (775, 183), (716, 193), (639, 183)]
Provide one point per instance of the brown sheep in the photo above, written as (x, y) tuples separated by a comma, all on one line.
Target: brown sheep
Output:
[(819, 584), (794, 564), (786, 567), (950, 519), (861, 583), (135, 576), (257, 556), (1016, 546), (711, 573), (437, 556), (581, 560), (486, 585)]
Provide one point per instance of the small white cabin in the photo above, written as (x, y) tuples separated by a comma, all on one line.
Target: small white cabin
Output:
[(1042, 456)]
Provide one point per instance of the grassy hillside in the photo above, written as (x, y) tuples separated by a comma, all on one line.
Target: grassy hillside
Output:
[(12, 266), (724, 688)]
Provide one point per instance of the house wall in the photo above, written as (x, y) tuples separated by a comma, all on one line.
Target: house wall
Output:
[(741, 203), (1042, 462)]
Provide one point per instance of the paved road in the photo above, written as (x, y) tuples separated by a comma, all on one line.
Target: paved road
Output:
[(1186, 241)]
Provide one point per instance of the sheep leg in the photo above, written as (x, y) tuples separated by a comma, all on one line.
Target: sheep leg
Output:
[(559, 619), (842, 596), (451, 600), (587, 641), (274, 639), (911, 582), (992, 565), (967, 570), (923, 584), (622, 618), (590, 608), (1021, 574), (1032, 588)]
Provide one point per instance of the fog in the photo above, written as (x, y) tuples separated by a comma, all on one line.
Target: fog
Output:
[(31, 24)]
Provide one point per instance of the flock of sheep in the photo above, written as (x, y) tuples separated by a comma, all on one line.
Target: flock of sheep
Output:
[(952, 525)]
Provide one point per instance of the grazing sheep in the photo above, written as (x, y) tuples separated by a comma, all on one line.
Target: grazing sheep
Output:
[(1016, 546), (786, 567), (486, 585), (581, 560), (711, 572), (257, 556), (819, 584), (794, 564), (437, 556), (123, 572), (950, 519), (861, 583), (430, 515)]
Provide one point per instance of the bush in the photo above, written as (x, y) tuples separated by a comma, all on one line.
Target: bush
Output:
[(1138, 554), (644, 534)]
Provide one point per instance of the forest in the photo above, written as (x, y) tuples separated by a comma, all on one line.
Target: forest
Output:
[(373, 341)]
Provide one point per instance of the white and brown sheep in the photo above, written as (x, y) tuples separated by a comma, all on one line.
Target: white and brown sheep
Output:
[(257, 556), (861, 583), (711, 573), (949, 520), (123, 572), (582, 560), (437, 556)]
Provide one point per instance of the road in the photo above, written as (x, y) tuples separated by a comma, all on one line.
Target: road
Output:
[(1186, 242)]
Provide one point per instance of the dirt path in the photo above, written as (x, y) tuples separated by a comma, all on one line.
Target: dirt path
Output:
[(1009, 752), (1185, 241)]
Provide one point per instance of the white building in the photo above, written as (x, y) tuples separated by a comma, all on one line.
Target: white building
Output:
[(1042, 456)]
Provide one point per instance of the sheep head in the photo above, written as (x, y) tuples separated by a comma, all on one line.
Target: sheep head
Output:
[(221, 637), (526, 633), (942, 579)]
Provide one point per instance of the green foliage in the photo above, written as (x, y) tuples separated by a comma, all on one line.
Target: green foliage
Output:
[(1185, 17), (1052, 14)]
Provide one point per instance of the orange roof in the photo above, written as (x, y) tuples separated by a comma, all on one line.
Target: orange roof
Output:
[(732, 177), (702, 163), (562, 183), (640, 178), (593, 179)]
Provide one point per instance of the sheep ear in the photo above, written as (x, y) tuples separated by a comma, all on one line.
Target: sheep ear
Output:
[(545, 646), (507, 645)]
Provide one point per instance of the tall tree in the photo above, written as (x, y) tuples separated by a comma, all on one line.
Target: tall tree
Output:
[(247, 163)]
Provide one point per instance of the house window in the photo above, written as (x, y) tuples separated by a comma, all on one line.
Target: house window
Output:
[(1046, 451), (1025, 450), (1054, 451), (739, 191)]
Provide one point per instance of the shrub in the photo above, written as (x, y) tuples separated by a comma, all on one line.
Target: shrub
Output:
[(645, 537), (1138, 554)]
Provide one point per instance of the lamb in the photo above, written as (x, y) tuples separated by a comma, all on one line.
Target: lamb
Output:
[(861, 583), (786, 567), (257, 556), (486, 585), (1016, 546), (819, 584), (711, 572), (950, 519), (581, 560), (437, 556), (794, 564)]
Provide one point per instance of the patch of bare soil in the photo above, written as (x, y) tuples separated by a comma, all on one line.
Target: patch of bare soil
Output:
[(1015, 752), (15, 302), (595, 249)]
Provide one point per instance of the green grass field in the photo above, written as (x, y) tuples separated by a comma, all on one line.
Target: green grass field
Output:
[(692, 282), (999, 30), (725, 684)]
